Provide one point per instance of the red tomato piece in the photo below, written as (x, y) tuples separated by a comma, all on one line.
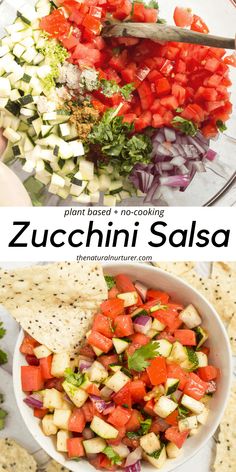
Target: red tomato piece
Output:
[(113, 292), (118, 439), (123, 11), (230, 60), (157, 371), (145, 94), (131, 443), (138, 12), (55, 383), (101, 342), (187, 337), (113, 307), (183, 17), (195, 387), (123, 397), (88, 411), (46, 365), (199, 25), (107, 360), (92, 24), (157, 295), (208, 373), (123, 326), (158, 426), (103, 325), (139, 338), (40, 412), (134, 422), (77, 421), (172, 419), (55, 24), (124, 283), (71, 42), (138, 391), (172, 434), (149, 407), (31, 360), (174, 371), (31, 378), (119, 417), (28, 345), (93, 389), (150, 15), (75, 447), (87, 351)]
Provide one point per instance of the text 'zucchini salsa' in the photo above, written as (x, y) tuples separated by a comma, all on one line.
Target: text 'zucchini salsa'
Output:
[(138, 388), (101, 120)]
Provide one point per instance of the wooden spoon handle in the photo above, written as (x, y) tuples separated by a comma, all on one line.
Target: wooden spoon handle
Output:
[(158, 32)]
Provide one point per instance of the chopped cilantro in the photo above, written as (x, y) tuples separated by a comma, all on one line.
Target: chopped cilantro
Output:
[(153, 4), (179, 110), (2, 330), (73, 378), (192, 358), (127, 90), (156, 454), (3, 357), (182, 411), (110, 281), (132, 435), (186, 126), (112, 455), (139, 360), (145, 425), (110, 87), (221, 126)]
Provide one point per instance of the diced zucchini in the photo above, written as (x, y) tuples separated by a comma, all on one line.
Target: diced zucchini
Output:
[(117, 381), (62, 438), (130, 298), (93, 185), (18, 50), (103, 429), (187, 423), (115, 367), (42, 351), (61, 418), (48, 426), (57, 180), (164, 347), (193, 405), (52, 399), (77, 149), (60, 362), (173, 451), (86, 169), (157, 325), (202, 359), (94, 445), (4, 50), (97, 372), (158, 463), (104, 182), (171, 386), (11, 135), (178, 353), (77, 395), (164, 406), (109, 200), (191, 363), (97, 351), (190, 317), (5, 87), (202, 418), (150, 443), (152, 333), (115, 187), (202, 336), (120, 345)]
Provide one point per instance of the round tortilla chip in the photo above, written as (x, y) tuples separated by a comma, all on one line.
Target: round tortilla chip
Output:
[(14, 458), (53, 466)]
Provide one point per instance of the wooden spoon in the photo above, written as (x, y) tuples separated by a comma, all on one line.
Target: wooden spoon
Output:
[(158, 32)]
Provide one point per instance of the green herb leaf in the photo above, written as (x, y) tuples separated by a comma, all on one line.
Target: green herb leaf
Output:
[(127, 90), (110, 281), (186, 126), (182, 411), (112, 455), (132, 435), (156, 454), (179, 110), (221, 126), (139, 360), (3, 357), (145, 426), (152, 4), (109, 87), (73, 378), (192, 358), (2, 330)]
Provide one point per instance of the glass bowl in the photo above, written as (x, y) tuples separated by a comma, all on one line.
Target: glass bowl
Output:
[(220, 175)]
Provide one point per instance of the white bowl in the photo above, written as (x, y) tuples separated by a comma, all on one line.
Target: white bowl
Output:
[(220, 355)]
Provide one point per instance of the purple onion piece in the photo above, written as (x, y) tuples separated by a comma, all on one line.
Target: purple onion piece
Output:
[(134, 467), (34, 401), (142, 324), (141, 289), (134, 457)]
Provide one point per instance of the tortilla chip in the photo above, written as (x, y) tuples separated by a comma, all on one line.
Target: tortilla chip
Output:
[(14, 458), (225, 459), (232, 333), (54, 303), (175, 268), (53, 466), (223, 269)]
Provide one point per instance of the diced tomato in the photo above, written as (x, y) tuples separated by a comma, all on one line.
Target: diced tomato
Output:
[(149, 407), (183, 17), (134, 422), (113, 307), (138, 391), (46, 365), (119, 417), (158, 425), (179, 93), (170, 102), (157, 371), (139, 338), (71, 42), (208, 373), (129, 118), (87, 351), (131, 443), (40, 412), (132, 348), (123, 326), (117, 440), (31, 378), (31, 360), (55, 383), (195, 387), (123, 11), (107, 360), (187, 337), (124, 283), (75, 447), (158, 296), (173, 435), (92, 23), (55, 24), (209, 130), (88, 411), (174, 371), (93, 389), (101, 342), (113, 292), (28, 345), (106, 463), (199, 25), (99, 106), (77, 421), (103, 325), (119, 62), (145, 94), (157, 121), (150, 15), (123, 397), (138, 12), (172, 419), (230, 60), (205, 350)]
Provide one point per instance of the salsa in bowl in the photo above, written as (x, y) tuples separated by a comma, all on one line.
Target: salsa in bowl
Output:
[(148, 387)]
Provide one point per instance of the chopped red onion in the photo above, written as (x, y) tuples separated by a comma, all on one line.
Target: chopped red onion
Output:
[(84, 365), (134, 457), (141, 289), (34, 401), (106, 393), (98, 402), (142, 324), (134, 467), (109, 408), (88, 433), (210, 156)]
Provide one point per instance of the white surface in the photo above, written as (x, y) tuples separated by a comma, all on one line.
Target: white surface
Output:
[(19, 430)]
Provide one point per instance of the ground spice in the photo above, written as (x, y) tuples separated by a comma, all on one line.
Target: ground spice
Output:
[(83, 116)]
